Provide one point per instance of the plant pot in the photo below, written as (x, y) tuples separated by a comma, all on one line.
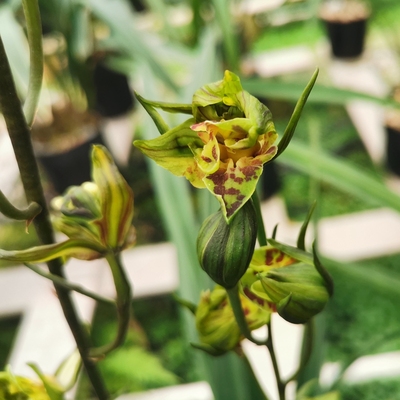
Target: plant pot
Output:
[(392, 128), (113, 94), (270, 181), (393, 150), (62, 143), (72, 167), (346, 25)]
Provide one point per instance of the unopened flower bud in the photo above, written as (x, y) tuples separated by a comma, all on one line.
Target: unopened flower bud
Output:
[(225, 249), (216, 324), (298, 290)]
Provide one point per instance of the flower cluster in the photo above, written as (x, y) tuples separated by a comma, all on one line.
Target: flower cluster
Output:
[(280, 279)]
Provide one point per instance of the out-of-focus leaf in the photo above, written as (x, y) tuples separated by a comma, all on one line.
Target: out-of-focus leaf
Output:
[(16, 46), (320, 94), (120, 19), (339, 173)]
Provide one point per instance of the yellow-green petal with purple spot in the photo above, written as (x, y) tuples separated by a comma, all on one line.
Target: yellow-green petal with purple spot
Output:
[(116, 198)]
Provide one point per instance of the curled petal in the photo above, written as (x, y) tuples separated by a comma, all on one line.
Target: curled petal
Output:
[(174, 151), (116, 198)]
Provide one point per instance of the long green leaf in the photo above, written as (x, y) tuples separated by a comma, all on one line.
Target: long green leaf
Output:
[(16, 47), (34, 30), (225, 23), (320, 94), (340, 174)]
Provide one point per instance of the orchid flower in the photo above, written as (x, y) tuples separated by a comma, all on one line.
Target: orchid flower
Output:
[(225, 143)]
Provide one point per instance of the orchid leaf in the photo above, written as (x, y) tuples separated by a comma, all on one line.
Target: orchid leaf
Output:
[(34, 30)]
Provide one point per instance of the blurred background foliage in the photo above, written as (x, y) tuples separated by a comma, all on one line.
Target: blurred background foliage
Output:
[(167, 49)]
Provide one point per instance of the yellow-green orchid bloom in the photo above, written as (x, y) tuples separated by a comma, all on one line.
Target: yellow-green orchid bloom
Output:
[(225, 143), (96, 217), (50, 387), (18, 387), (216, 324), (223, 147)]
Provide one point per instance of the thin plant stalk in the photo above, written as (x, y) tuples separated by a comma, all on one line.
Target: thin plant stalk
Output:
[(270, 346), (20, 138), (123, 303)]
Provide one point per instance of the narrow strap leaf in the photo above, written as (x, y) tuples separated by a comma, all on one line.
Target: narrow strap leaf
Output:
[(28, 213), (34, 30), (69, 285), (294, 119)]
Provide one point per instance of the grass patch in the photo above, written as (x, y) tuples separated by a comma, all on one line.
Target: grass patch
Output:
[(294, 34)]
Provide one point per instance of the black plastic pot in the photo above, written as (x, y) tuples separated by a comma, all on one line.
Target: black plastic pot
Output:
[(113, 94), (393, 150), (270, 181), (347, 39), (70, 168)]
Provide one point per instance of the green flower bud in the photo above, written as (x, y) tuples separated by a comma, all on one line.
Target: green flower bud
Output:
[(216, 324), (225, 250), (298, 290)]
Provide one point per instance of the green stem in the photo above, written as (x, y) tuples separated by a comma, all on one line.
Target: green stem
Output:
[(261, 234), (20, 138), (124, 299), (236, 305), (71, 286), (270, 345), (8, 210), (34, 30)]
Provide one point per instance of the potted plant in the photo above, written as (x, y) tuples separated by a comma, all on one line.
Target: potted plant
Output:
[(84, 92), (346, 22)]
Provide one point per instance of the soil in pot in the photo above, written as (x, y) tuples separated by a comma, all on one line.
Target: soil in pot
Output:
[(346, 23)]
